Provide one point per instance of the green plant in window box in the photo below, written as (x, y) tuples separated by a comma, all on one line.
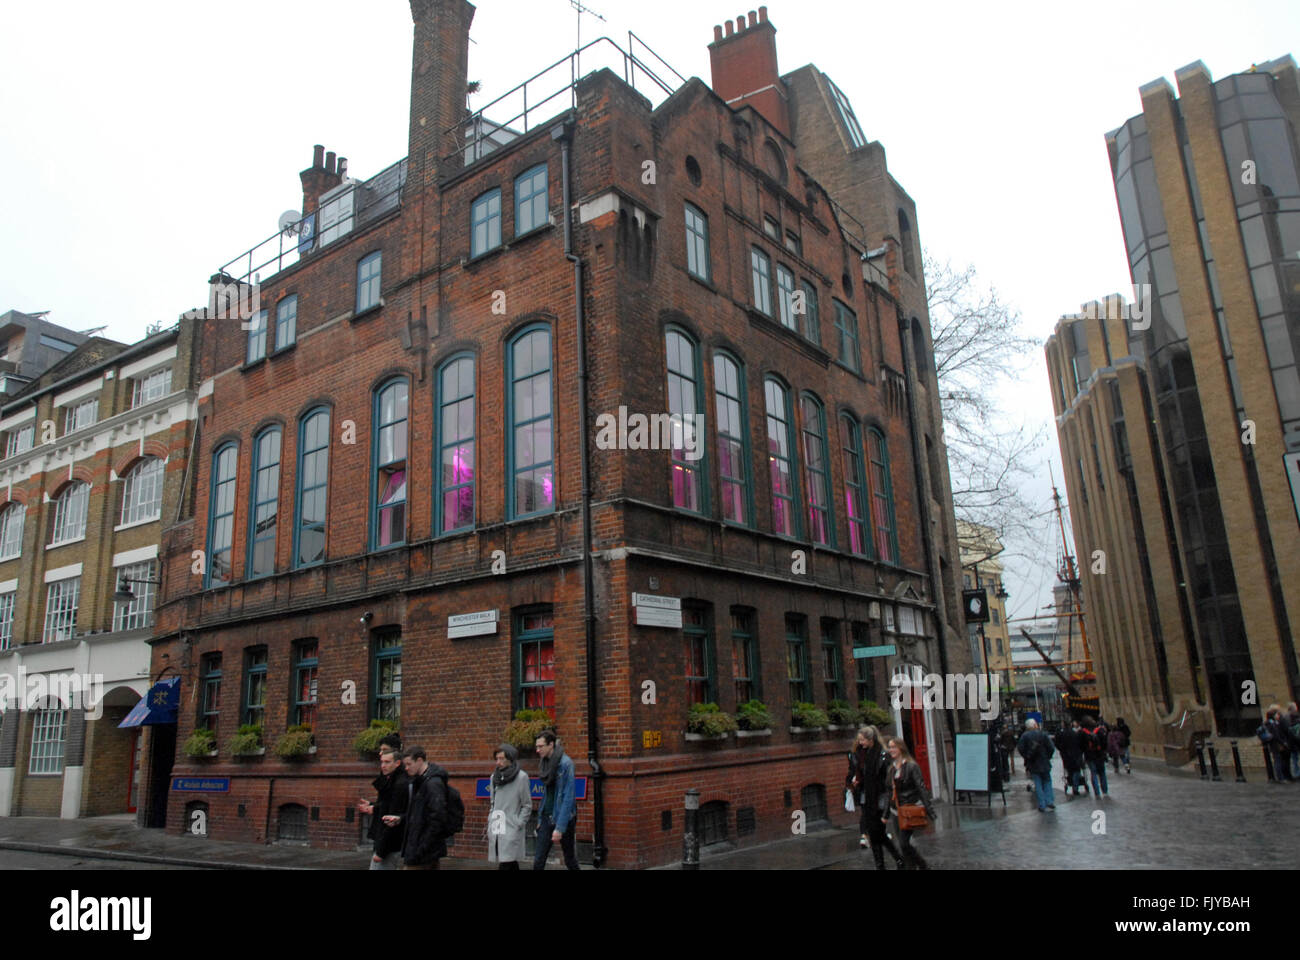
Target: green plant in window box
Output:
[(295, 742), (753, 715), (875, 714), (366, 742), (807, 716), (708, 720), (842, 714), (202, 743), (522, 732), (247, 742)]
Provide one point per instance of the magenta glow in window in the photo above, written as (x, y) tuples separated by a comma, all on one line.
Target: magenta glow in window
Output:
[(456, 423), (390, 459)]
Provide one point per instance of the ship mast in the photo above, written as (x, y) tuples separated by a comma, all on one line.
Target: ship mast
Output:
[(1068, 576)]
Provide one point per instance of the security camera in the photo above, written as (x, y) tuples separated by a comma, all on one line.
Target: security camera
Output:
[(367, 617)]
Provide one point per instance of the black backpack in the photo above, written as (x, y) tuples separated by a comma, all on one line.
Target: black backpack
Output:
[(1095, 742), (454, 813)]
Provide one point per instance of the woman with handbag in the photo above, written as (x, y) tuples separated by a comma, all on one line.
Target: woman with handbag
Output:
[(868, 783), (911, 800)]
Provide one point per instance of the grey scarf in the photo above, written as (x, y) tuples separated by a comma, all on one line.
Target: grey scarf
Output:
[(551, 764), (500, 776)]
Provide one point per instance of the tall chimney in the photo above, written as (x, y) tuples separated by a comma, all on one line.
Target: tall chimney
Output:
[(744, 68), (439, 76)]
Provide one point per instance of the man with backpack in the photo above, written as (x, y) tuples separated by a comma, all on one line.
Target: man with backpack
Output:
[(1095, 744), (1036, 747), (557, 821), (434, 812)]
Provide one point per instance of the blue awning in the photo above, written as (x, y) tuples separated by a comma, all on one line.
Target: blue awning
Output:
[(157, 706)]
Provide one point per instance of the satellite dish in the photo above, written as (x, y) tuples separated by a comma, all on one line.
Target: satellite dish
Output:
[(289, 222)]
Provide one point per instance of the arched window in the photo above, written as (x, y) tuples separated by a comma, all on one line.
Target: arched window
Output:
[(733, 439), (882, 498), (905, 241), (531, 472), (265, 512), (855, 486), (390, 418), (683, 405), (821, 522), (313, 487), (11, 530), (70, 513), (455, 424), (221, 515), (781, 459), (142, 491)]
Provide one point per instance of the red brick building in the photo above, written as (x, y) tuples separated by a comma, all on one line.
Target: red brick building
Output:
[(397, 442)]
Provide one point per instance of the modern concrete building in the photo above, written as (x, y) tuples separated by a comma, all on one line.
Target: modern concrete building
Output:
[(82, 502), (29, 345), (1179, 415)]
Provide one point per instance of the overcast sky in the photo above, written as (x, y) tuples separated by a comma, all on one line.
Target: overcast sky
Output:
[(144, 145)]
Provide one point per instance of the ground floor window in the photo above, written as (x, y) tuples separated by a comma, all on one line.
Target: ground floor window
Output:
[(49, 729)]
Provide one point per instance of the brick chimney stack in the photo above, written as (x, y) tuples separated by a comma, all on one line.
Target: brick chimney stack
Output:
[(321, 177), (439, 76), (744, 68)]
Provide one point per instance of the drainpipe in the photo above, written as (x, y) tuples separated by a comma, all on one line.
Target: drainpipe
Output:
[(923, 500), (564, 134)]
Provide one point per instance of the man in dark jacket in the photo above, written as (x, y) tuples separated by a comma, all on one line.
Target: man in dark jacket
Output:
[(1036, 747), (426, 841), (1070, 744), (1095, 735), (392, 791)]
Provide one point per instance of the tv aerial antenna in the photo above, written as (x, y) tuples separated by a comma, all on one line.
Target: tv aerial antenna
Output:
[(580, 10)]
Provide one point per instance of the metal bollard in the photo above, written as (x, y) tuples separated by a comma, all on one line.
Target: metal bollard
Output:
[(691, 839), (1214, 763), (1200, 758), (1268, 763), (1236, 762)]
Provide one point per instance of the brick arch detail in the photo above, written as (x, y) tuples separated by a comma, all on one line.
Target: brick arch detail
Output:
[(79, 475), (17, 495), (152, 448)]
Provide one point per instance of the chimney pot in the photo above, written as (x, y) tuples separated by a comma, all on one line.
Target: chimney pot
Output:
[(731, 28), (753, 18), (343, 167), (740, 23), (762, 14), (317, 157), (329, 161), (717, 34)]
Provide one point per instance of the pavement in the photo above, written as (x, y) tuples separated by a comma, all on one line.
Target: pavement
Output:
[(1154, 818)]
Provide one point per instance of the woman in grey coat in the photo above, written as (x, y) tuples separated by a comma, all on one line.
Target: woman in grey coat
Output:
[(512, 804)]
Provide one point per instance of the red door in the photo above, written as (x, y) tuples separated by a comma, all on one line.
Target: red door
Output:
[(920, 746)]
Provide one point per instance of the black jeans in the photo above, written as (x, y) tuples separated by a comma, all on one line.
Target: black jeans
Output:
[(568, 843), (909, 851)]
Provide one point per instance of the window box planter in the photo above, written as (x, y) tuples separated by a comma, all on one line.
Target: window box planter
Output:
[(807, 729), (259, 752), (247, 742), (807, 718), (522, 732), (704, 736), (706, 721), (366, 743), (201, 745), (752, 717), (754, 733), (296, 743)]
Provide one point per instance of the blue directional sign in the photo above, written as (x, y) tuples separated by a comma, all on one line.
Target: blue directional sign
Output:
[(200, 784), (536, 788), (866, 653)]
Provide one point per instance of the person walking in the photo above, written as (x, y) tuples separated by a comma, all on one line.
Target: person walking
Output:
[(426, 812), (1036, 748), (1293, 724), (1117, 744), (1095, 737), (868, 780), (1276, 734), (512, 804), (558, 819), (1069, 743), (390, 786), (908, 793)]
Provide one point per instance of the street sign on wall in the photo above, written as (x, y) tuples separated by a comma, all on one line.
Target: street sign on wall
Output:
[(472, 624), (653, 611)]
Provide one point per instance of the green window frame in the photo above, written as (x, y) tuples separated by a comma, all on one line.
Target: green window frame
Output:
[(855, 487), (210, 707), (312, 488), (688, 479), (456, 465), (389, 477), (485, 222), (306, 667), (530, 461), (817, 464), (698, 263), (286, 322), (882, 498), (733, 440), (264, 508), (832, 673), (745, 655), (531, 200), (796, 658), (256, 337), (221, 516), (370, 270), (701, 665), (846, 326), (386, 674), (254, 711), (760, 265), (812, 327), (535, 655), (782, 473), (785, 297)]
